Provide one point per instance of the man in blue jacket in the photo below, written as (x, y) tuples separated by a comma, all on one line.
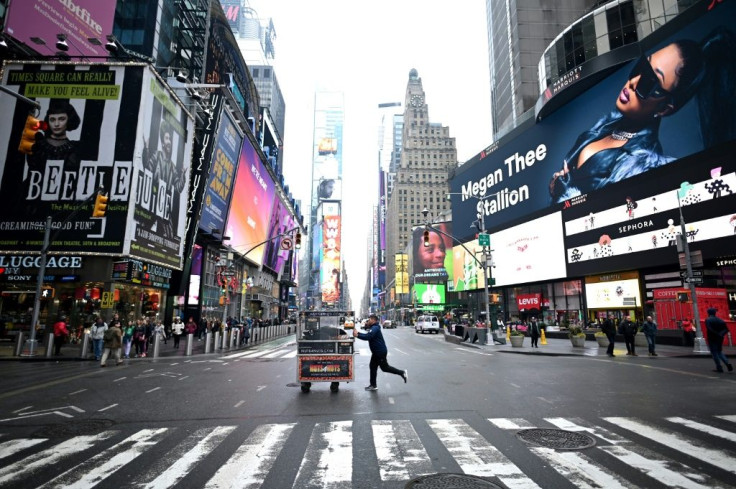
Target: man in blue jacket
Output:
[(374, 337)]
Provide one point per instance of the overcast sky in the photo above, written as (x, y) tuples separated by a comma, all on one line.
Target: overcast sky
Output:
[(366, 50)]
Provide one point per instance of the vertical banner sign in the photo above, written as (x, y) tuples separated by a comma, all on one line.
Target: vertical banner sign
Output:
[(402, 273), (92, 111), (382, 229), (330, 271)]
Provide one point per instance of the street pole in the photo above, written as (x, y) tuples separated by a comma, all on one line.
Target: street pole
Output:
[(699, 345), (31, 343), (485, 277)]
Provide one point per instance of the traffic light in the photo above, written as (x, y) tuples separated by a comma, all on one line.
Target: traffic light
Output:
[(100, 205), (298, 240), (426, 237), (28, 138)]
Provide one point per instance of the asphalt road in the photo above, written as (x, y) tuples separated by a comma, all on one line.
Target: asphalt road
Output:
[(241, 420)]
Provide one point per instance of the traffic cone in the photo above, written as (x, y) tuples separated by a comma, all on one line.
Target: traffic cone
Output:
[(544, 338)]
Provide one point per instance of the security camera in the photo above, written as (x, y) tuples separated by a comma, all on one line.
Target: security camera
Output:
[(181, 77), (61, 44)]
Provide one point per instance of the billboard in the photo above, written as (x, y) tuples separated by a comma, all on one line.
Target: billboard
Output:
[(162, 167), (280, 222), (222, 175), (252, 203), (94, 139), (644, 116), (402, 273), (79, 21), (195, 278), (433, 263), (612, 291), (529, 252), (467, 272), (329, 189), (330, 269), (429, 293)]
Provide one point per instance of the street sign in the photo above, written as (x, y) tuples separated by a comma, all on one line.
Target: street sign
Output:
[(696, 273), (484, 239), (695, 280), (108, 300), (286, 243)]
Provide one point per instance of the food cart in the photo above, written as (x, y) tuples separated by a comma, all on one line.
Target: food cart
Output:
[(324, 342)]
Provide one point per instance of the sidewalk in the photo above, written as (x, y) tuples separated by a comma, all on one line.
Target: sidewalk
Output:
[(563, 347)]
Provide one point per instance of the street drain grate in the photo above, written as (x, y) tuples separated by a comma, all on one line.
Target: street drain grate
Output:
[(556, 439), (450, 481), (75, 428)]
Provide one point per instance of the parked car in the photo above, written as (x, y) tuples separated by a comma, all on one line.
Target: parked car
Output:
[(427, 323), (388, 324)]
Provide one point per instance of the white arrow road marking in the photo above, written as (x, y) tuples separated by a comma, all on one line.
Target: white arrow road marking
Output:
[(44, 412), (21, 409), (108, 407)]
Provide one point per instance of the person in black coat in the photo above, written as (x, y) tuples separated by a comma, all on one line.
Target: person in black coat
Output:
[(609, 330), (717, 330), (534, 332), (628, 329)]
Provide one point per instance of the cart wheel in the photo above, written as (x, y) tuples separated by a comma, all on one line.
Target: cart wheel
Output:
[(306, 386), (335, 386)]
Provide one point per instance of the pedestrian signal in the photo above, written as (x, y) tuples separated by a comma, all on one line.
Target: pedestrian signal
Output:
[(100, 205), (28, 138)]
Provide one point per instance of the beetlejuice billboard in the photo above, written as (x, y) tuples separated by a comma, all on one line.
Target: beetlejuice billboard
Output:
[(671, 102), (331, 256)]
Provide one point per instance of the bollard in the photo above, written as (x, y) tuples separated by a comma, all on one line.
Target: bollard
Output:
[(19, 343), (238, 336), (225, 335), (217, 340), (49, 345), (508, 333), (233, 336), (84, 349), (156, 344), (190, 344), (208, 342), (543, 340)]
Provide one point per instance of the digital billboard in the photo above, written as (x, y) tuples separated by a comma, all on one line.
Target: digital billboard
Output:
[(280, 222), (93, 114), (645, 115), (252, 202), (329, 189), (433, 263), (467, 272), (222, 175), (331, 250), (429, 293), (612, 292), (529, 252), (79, 21), (402, 273)]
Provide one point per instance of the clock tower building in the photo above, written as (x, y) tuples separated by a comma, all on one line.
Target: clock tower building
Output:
[(428, 155)]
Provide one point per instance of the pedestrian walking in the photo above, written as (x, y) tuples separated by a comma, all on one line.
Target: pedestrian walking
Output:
[(717, 330), (127, 339), (61, 333), (158, 331), (177, 329), (113, 340), (688, 331), (628, 329), (97, 334), (379, 352), (534, 332), (649, 328), (139, 338), (609, 330)]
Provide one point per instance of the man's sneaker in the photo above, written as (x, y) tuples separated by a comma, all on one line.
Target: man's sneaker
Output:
[(371, 388), (729, 367), (405, 375)]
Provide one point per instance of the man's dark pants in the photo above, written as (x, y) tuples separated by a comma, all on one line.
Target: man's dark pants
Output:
[(611, 338), (379, 360)]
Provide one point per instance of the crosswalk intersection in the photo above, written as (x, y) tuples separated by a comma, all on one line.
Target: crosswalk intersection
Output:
[(672, 451)]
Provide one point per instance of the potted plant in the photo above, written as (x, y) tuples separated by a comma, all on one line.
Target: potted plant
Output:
[(517, 338), (577, 337), (602, 339)]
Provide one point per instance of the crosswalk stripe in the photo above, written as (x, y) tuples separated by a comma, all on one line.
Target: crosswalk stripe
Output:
[(328, 460), (511, 423), (290, 354), (580, 470), (252, 461), (476, 456), (11, 447), (51, 456), (276, 353), (710, 430), (577, 424), (184, 457), (107, 462), (731, 418), (399, 451), (680, 443)]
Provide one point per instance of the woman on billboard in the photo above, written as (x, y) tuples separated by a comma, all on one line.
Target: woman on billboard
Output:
[(430, 260), (61, 118), (626, 142)]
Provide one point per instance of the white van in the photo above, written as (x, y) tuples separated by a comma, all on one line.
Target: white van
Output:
[(427, 323)]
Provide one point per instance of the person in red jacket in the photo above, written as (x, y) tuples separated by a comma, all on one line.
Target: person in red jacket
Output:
[(60, 334)]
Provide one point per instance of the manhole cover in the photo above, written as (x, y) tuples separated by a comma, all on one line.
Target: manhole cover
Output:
[(556, 439), (88, 427), (450, 481)]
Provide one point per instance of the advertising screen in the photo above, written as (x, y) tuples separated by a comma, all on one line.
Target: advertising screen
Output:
[(611, 132), (616, 293), (162, 167), (93, 114), (79, 21), (222, 175), (402, 273), (330, 270), (430, 293), (467, 272), (330, 189), (252, 202), (433, 263), (529, 252), (195, 278), (281, 221)]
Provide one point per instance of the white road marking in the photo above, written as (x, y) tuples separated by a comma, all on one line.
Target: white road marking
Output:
[(711, 430), (248, 467), (514, 385), (390, 400), (728, 418), (260, 388), (291, 354), (21, 409), (50, 456), (400, 351), (208, 368), (239, 403), (184, 458), (328, 461), (151, 390), (108, 407), (77, 392), (277, 353), (11, 447), (149, 370), (105, 463), (175, 363), (476, 456), (399, 450), (680, 443), (45, 412), (577, 424), (580, 470), (185, 377), (511, 423), (121, 378)]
